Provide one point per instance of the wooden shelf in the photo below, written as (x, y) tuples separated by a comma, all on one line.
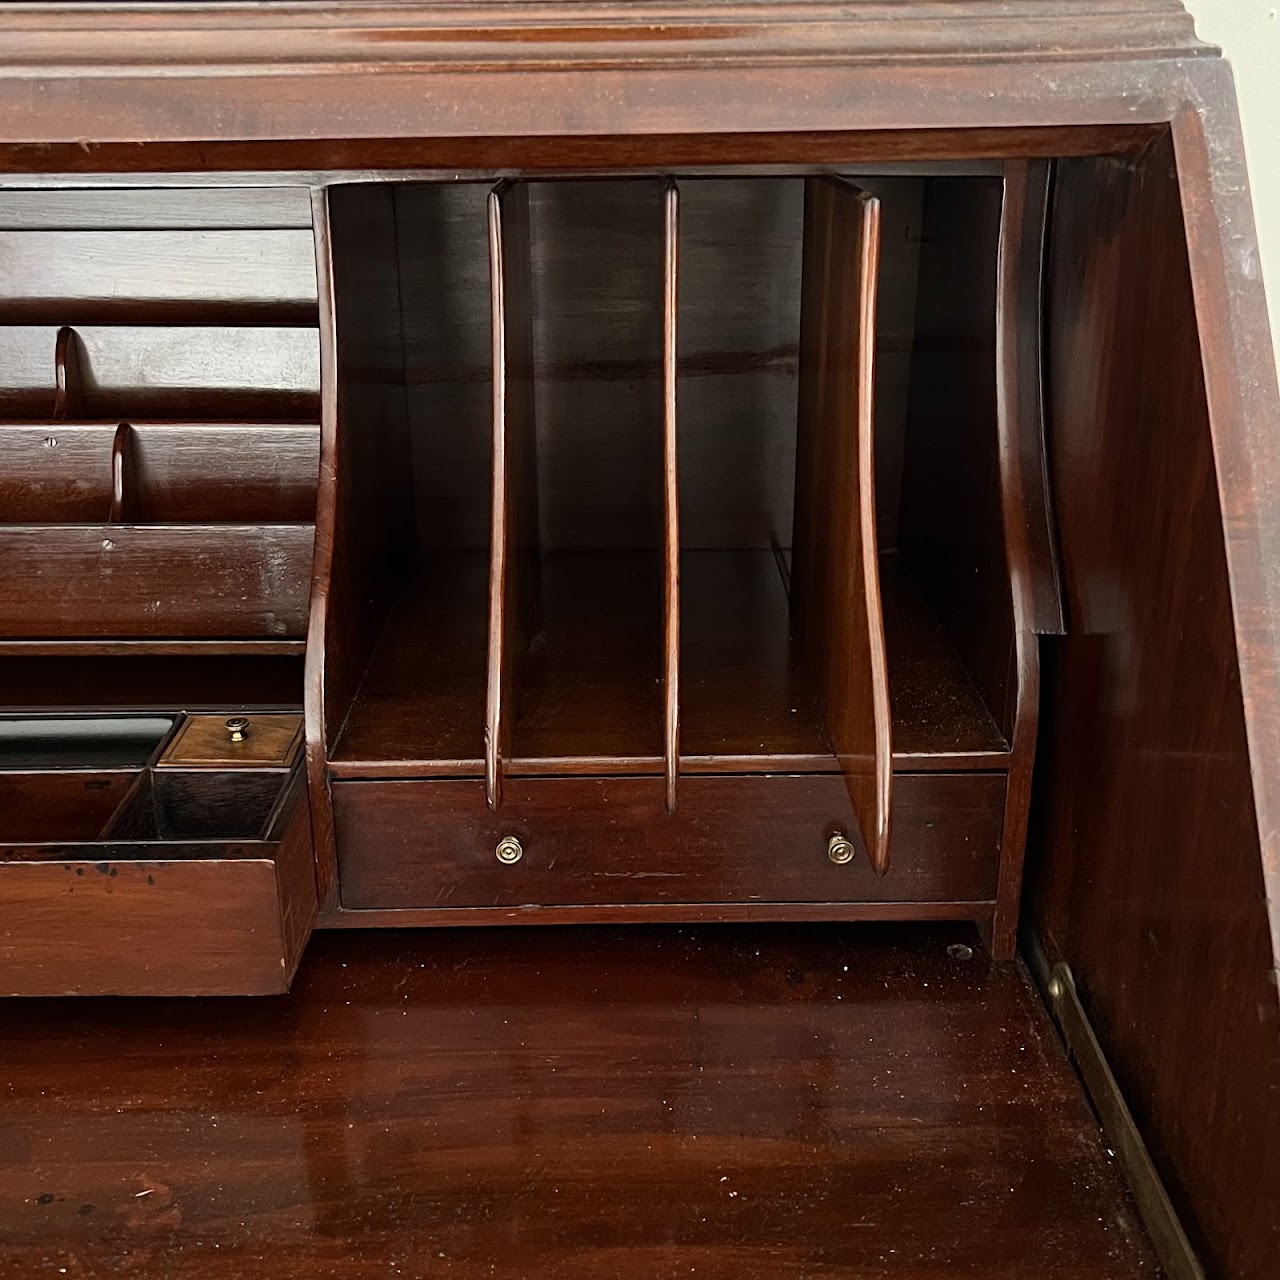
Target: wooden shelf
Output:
[(748, 697), (421, 703), (591, 695), (152, 647), (590, 698), (164, 582)]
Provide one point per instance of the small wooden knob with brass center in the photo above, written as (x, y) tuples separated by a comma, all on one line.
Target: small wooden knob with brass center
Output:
[(840, 849), (509, 850)]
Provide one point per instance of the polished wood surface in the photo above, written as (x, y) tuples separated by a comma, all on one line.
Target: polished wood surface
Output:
[(749, 700), (150, 676), (671, 495), (180, 472), (184, 208), (1149, 879), (228, 372), (39, 806), (1151, 765), (952, 523), (265, 740), (610, 842), (736, 1104), (513, 536), (166, 581), (170, 898), (1028, 525), (835, 572), (363, 508), (170, 276)]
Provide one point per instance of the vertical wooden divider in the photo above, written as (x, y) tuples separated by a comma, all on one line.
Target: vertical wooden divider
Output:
[(1028, 522), (316, 695), (835, 584), (671, 495), (514, 512), (364, 498)]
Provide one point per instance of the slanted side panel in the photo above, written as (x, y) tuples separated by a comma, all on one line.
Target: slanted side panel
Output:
[(835, 578), (1149, 875)]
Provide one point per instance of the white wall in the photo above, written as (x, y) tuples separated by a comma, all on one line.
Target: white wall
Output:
[(1249, 33)]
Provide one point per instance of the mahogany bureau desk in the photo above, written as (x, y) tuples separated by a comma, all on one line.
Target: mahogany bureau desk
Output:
[(565, 462)]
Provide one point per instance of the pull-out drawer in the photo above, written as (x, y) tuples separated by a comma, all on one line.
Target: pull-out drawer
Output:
[(608, 842), (127, 878)]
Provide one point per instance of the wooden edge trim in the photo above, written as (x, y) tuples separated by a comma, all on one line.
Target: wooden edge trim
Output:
[(314, 718), (671, 495), (498, 558), (1168, 1237), (656, 913), (1017, 293), (877, 838)]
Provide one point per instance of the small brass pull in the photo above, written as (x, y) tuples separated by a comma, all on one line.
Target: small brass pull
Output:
[(840, 849), (509, 850), (238, 728)]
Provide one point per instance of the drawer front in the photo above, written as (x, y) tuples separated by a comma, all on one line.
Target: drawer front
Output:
[(607, 841), (108, 918)]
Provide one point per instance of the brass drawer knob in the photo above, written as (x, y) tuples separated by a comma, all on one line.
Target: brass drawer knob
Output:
[(509, 850), (840, 849), (238, 728)]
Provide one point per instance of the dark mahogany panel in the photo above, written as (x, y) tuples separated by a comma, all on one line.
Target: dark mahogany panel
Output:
[(607, 841), (181, 472), (75, 581), (88, 277), (1150, 877), (743, 1104), (835, 572)]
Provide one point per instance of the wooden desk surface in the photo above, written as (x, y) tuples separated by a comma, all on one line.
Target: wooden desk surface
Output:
[(735, 1102)]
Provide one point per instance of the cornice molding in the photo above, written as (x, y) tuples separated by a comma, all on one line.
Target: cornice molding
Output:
[(235, 37)]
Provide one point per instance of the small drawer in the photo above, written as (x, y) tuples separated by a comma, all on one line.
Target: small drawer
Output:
[(607, 841), (235, 740), (201, 883)]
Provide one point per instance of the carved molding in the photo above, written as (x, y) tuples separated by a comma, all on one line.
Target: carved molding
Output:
[(38, 40)]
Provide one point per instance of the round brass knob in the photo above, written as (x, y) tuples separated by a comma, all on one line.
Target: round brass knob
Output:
[(840, 849), (509, 850), (238, 728)]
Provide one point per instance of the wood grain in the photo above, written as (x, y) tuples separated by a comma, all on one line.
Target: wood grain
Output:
[(749, 700), (952, 522), (59, 804), (1030, 532), (159, 919), (200, 276), (835, 570), (177, 372), (1149, 880), (608, 842), (364, 511), (167, 581), (270, 739), (513, 559), (608, 1091), (183, 472), (671, 497), (156, 209)]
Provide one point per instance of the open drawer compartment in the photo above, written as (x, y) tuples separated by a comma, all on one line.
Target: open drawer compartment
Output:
[(122, 874)]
